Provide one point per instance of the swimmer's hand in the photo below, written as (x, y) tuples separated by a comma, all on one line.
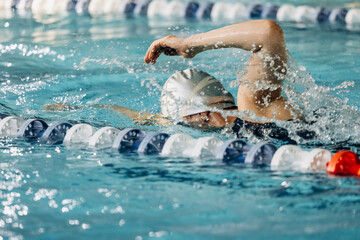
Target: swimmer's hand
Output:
[(58, 107), (170, 46)]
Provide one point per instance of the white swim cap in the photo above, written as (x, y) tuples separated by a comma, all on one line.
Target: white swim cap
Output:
[(193, 91)]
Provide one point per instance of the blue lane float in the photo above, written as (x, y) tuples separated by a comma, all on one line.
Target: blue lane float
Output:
[(82, 6), (270, 11), (338, 15), (191, 9), (233, 151), (260, 154), (323, 15), (55, 133), (153, 143), (32, 129), (128, 140), (256, 11)]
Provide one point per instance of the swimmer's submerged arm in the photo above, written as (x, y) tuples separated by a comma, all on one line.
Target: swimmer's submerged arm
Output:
[(126, 111), (140, 117)]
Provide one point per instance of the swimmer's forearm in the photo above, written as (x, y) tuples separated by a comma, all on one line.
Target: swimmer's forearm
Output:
[(143, 118), (126, 111), (250, 36)]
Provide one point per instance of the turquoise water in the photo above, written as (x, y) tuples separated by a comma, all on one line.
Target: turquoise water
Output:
[(53, 192)]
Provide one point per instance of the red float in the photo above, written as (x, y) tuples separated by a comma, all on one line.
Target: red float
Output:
[(344, 163)]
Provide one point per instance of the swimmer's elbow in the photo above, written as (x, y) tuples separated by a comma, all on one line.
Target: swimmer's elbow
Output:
[(274, 35)]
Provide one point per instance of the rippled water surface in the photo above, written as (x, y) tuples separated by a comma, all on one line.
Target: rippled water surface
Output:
[(54, 192)]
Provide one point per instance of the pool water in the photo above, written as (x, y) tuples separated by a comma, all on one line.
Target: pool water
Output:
[(57, 192)]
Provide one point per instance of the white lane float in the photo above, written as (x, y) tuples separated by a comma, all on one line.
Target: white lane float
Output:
[(237, 11), (286, 13), (353, 17), (156, 8), (9, 126), (176, 144), (203, 147), (103, 138), (219, 11), (292, 157), (175, 9), (79, 133), (305, 14)]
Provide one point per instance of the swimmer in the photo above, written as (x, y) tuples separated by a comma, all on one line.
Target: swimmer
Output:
[(198, 99)]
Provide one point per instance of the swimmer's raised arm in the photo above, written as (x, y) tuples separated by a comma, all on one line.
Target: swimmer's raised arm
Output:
[(256, 35)]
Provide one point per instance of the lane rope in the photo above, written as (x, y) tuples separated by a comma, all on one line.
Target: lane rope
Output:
[(132, 140), (216, 11)]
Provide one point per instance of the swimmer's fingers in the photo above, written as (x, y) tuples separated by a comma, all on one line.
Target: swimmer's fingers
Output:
[(57, 107), (156, 54), (153, 52), (169, 45)]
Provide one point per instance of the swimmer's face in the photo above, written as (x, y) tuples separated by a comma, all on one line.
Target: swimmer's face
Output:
[(205, 120)]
